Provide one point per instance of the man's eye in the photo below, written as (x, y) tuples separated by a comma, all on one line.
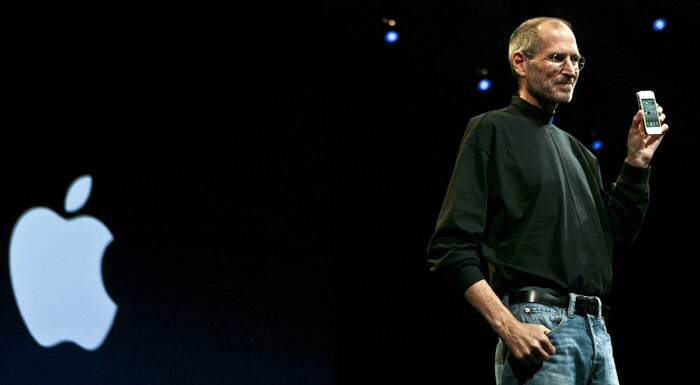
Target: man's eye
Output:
[(558, 57)]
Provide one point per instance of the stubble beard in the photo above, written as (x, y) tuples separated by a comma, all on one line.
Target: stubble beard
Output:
[(551, 95)]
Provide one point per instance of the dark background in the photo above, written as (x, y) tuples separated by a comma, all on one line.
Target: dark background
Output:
[(272, 177)]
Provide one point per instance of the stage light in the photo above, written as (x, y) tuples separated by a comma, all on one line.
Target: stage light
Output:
[(391, 37), (484, 84), (597, 145), (659, 24)]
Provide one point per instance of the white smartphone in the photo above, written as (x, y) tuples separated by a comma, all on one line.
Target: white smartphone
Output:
[(646, 100)]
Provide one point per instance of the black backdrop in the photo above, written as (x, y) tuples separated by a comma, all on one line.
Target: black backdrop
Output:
[(272, 177)]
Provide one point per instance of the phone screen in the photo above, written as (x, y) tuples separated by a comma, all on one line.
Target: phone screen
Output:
[(651, 116)]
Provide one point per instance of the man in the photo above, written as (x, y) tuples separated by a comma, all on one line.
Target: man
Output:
[(526, 206)]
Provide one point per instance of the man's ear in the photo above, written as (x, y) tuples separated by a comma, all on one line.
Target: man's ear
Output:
[(518, 59)]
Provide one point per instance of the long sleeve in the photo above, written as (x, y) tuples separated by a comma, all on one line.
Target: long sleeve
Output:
[(454, 249)]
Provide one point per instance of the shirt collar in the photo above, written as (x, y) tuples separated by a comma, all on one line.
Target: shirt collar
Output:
[(519, 106)]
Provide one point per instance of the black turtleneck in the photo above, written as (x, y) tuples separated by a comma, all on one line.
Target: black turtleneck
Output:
[(527, 199)]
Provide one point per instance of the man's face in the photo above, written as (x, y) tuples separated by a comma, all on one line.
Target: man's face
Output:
[(548, 81)]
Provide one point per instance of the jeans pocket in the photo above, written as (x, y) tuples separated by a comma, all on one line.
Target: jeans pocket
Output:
[(534, 313)]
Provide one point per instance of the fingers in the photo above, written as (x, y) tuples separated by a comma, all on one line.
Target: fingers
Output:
[(662, 119), (662, 116), (541, 349), (637, 124), (537, 356), (547, 345)]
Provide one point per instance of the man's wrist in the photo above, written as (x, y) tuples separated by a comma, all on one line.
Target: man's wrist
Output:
[(638, 162)]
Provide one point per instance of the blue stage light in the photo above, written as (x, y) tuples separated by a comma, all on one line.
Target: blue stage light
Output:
[(484, 85), (597, 145), (659, 24), (391, 37)]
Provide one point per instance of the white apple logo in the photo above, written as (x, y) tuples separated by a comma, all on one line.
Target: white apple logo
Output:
[(56, 273)]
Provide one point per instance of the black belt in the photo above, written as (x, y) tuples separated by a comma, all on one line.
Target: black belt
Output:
[(584, 305)]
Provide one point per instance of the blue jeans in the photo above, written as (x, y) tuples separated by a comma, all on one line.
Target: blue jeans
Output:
[(583, 349)]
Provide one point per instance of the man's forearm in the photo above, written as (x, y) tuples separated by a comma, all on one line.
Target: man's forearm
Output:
[(482, 297)]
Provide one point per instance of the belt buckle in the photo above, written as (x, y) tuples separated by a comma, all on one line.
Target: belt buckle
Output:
[(586, 305)]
